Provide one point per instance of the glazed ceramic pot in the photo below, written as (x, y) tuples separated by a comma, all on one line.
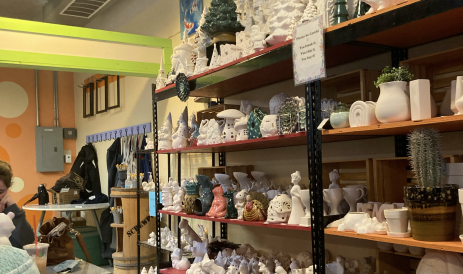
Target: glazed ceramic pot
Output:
[(219, 204), (204, 202), (232, 213), (393, 103), (397, 220), (192, 192), (339, 118), (432, 212)]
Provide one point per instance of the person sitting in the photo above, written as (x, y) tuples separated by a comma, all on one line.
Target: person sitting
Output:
[(23, 234)]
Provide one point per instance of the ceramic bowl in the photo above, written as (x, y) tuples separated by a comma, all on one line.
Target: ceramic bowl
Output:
[(418, 251), (384, 246), (400, 248), (353, 218)]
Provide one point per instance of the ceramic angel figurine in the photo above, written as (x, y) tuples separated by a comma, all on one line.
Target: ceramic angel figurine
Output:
[(6, 227), (165, 134), (297, 211), (240, 196), (334, 176), (180, 137), (161, 79)]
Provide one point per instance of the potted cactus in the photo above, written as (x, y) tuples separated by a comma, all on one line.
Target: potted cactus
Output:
[(431, 205)]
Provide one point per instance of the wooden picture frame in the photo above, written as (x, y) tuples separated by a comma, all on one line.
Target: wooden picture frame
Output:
[(118, 94), (105, 108), (91, 113)]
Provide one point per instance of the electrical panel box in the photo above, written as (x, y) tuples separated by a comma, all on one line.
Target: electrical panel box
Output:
[(70, 133), (49, 149)]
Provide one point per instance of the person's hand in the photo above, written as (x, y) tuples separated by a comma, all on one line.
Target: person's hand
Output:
[(5, 202)]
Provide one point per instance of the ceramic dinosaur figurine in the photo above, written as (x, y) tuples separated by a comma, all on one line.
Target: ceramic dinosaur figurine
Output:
[(232, 213), (206, 198)]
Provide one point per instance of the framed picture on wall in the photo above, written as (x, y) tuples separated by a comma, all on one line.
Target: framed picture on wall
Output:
[(190, 14), (88, 103), (114, 92), (101, 95)]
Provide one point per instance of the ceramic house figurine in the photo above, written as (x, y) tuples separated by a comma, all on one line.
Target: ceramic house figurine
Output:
[(192, 192), (297, 211), (161, 79), (165, 134), (268, 127), (276, 101), (334, 176), (219, 204), (206, 198), (241, 128), (284, 13), (6, 227), (240, 197), (180, 137), (232, 213), (230, 115), (254, 121), (279, 209)]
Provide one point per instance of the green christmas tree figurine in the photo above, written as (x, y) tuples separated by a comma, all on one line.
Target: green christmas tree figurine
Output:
[(340, 12), (221, 18)]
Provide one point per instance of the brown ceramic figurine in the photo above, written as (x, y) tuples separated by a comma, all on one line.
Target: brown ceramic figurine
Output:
[(254, 210), (219, 205)]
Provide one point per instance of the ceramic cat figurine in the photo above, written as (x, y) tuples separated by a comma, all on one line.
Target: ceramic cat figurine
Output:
[(219, 204), (6, 227), (206, 197), (232, 213)]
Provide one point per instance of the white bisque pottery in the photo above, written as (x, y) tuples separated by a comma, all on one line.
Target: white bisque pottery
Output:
[(230, 115), (333, 198), (384, 246), (400, 248), (305, 198), (417, 251), (353, 218), (397, 220), (420, 99), (393, 103), (459, 95), (352, 195)]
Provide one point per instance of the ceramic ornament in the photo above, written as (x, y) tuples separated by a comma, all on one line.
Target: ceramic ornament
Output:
[(362, 114), (333, 198), (279, 209), (180, 137), (376, 5), (165, 134), (297, 211), (219, 204), (285, 11), (420, 99), (241, 128), (240, 203), (230, 115), (161, 79), (393, 103)]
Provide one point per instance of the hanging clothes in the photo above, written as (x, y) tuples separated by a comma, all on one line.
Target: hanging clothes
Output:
[(145, 160), (113, 158), (86, 166)]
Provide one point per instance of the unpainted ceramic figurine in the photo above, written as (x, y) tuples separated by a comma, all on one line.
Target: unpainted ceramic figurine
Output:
[(224, 180), (214, 132), (203, 127), (376, 5), (188, 232), (176, 257), (199, 249), (279, 209), (305, 259), (209, 266), (258, 39), (230, 115), (241, 128), (152, 270), (297, 211), (240, 196), (161, 79), (152, 239), (285, 12), (143, 271), (165, 134), (219, 204), (333, 197), (180, 137), (310, 11), (243, 180), (351, 266), (245, 107), (6, 227), (263, 268), (183, 264), (167, 198), (269, 127), (334, 177)]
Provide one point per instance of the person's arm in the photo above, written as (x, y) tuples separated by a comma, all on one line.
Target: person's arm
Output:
[(23, 234)]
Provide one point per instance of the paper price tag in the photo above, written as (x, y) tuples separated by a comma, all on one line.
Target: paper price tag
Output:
[(309, 51)]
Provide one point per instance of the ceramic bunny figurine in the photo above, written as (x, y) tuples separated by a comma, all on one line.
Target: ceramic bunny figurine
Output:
[(6, 227), (240, 197)]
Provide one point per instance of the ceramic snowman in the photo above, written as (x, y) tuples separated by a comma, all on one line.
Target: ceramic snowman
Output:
[(6, 227), (230, 115)]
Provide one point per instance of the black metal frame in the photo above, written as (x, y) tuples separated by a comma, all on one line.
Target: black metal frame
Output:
[(92, 103), (105, 109), (118, 95)]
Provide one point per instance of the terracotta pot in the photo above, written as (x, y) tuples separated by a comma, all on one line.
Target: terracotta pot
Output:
[(432, 212)]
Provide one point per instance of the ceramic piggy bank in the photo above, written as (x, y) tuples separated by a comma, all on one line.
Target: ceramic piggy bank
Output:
[(6, 228)]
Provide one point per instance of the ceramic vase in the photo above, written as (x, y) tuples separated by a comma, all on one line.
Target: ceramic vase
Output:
[(192, 192), (420, 99), (339, 118), (333, 198), (230, 115), (393, 103), (305, 198), (459, 95), (219, 204), (204, 202), (352, 195), (397, 221)]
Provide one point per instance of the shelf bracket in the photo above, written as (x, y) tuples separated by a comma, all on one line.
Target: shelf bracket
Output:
[(314, 153)]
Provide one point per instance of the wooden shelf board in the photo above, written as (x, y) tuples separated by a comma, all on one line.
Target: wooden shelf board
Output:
[(117, 225), (401, 254), (145, 244), (452, 246), (235, 221), (443, 124), (443, 57)]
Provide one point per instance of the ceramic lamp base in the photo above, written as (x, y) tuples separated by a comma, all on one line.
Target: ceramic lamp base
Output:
[(305, 221)]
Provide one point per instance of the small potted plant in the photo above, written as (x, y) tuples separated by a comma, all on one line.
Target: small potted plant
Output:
[(394, 102), (431, 205)]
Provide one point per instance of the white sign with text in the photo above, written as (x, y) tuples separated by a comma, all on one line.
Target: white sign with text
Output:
[(309, 51)]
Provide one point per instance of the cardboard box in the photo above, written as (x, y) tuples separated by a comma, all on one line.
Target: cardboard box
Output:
[(65, 196)]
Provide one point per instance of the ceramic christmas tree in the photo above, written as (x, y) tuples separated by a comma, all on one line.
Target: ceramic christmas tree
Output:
[(165, 134), (310, 11), (161, 79), (215, 59), (285, 12), (221, 21), (340, 12)]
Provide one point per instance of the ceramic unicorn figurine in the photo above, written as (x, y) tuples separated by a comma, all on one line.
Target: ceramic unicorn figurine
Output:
[(232, 213), (6, 227), (219, 204), (240, 196)]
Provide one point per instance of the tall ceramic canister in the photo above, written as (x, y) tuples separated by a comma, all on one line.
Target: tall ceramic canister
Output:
[(229, 133), (393, 103), (420, 99)]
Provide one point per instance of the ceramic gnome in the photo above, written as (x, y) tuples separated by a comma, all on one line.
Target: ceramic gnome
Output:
[(240, 197), (232, 213), (279, 209), (165, 134), (297, 211), (230, 115), (219, 204), (6, 227), (180, 137), (241, 128), (161, 79)]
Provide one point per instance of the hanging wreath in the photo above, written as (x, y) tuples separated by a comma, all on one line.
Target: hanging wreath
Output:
[(182, 86)]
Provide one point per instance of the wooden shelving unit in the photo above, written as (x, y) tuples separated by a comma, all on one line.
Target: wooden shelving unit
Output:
[(452, 246), (235, 221)]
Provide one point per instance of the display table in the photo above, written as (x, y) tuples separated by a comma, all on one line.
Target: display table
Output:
[(84, 268), (69, 209)]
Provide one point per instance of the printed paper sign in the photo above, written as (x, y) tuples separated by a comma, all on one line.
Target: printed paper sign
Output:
[(309, 51)]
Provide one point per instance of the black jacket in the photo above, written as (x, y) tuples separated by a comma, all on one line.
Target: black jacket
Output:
[(86, 165), (23, 234)]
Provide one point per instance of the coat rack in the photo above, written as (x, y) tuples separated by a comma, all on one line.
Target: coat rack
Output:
[(117, 133)]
